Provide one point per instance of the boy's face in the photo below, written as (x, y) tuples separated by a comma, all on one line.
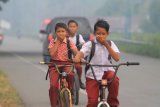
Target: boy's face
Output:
[(101, 33), (61, 33), (72, 28)]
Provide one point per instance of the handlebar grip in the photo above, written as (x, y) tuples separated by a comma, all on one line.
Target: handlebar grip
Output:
[(133, 63), (42, 62)]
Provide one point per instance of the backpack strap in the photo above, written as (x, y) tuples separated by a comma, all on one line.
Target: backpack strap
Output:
[(109, 56), (78, 42), (91, 55), (77, 39), (69, 49), (92, 51)]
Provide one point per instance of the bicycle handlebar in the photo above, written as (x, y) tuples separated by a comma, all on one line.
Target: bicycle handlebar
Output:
[(115, 66), (60, 65), (133, 63), (71, 64)]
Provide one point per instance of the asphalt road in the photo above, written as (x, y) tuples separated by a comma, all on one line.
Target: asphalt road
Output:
[(139, 85)]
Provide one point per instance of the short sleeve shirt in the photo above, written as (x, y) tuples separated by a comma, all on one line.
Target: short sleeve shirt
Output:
[(81, 40), (100, 57), (62, 52)]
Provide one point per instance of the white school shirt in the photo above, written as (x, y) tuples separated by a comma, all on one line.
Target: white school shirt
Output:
[(81, 40), (100, 57)]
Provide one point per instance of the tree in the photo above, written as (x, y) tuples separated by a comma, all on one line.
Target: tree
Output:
[(3, 1), (152, 22), (120, 7)]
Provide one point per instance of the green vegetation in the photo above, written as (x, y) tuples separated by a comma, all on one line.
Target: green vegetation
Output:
[(150, 44), (152, 22), (146, 10), (8, 94)]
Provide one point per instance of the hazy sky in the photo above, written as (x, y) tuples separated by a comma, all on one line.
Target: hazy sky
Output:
[(25, 13)]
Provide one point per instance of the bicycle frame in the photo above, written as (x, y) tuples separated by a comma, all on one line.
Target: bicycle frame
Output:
[(102, 83), (64, 99), (63, 84)]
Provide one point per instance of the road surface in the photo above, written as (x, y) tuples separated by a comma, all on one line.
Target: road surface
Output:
[(139, 85)]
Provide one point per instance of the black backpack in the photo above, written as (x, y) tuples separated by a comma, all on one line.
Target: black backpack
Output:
[(79, 46), (92, 54), (69, 49)]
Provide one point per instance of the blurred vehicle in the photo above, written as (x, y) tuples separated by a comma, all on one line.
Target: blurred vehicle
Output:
[(84, 29), (42, 35), (1, 38)]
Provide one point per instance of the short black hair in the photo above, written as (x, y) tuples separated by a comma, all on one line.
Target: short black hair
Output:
[(103, 24), (72, 21), (61, 25)]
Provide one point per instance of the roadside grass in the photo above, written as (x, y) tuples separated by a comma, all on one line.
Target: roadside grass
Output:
[(8, 95), (151, 46)]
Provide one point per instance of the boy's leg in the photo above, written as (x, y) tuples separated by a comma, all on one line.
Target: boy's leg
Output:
[(92, 88), (53, 75), (79, 72), (112, 89)]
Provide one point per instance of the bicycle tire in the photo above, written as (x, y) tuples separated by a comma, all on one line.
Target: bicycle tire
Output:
[(66, 99), (59, 100), (103, 104), (76, 90)]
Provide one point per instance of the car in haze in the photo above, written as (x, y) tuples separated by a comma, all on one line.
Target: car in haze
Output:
[(84, 29), (1, 38)]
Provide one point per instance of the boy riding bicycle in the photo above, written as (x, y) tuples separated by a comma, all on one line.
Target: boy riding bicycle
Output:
[(59, 51), (102, 50), (79, 41)]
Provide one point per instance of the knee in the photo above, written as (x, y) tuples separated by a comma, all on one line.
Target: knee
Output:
[(109, 75)]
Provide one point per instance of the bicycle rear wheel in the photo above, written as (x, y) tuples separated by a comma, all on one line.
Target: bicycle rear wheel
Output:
[(67, 99), (76, 90)]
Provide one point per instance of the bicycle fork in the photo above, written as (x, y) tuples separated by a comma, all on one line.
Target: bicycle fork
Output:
[(103, 102)]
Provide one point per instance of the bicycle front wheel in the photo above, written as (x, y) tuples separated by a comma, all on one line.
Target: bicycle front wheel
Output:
[(67, 99), (103, 104)]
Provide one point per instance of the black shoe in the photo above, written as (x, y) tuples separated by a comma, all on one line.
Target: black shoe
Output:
[(82, 86)]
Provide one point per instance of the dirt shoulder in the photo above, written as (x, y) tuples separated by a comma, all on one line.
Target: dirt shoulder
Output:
[(8, 95)]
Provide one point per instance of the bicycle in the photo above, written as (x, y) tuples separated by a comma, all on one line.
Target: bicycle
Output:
[(66, 97), (104, 83)]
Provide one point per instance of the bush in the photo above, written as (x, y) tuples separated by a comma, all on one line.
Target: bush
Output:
[(150, 43)]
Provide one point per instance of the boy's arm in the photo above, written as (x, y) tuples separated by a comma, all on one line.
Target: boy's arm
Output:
[(74, 51), (73, 48), (53, 49), (78, 56), (85, 51), (115, 55)]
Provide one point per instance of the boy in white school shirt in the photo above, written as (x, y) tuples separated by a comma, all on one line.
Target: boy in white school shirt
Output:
[(79, 41), (102, 50)]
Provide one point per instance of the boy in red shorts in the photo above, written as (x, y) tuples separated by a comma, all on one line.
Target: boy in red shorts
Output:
[(59, 51), (102, 50)]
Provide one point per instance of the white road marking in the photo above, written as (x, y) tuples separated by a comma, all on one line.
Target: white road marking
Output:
[(29, 62)]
